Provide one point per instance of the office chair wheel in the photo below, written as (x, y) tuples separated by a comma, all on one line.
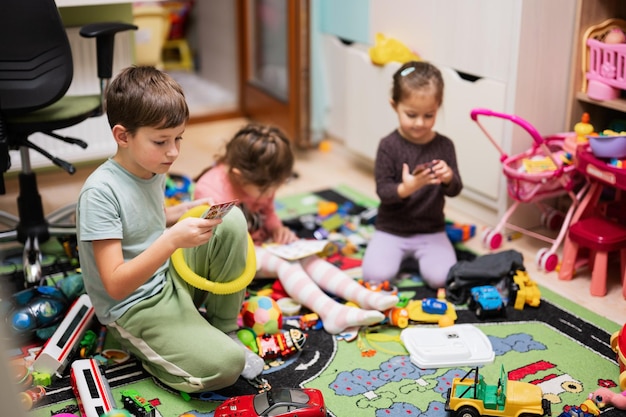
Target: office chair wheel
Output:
[(31, 261), (10, 221), (545, 260)]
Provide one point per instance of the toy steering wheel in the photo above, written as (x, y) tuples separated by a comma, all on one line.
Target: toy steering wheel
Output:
[(221, 288)]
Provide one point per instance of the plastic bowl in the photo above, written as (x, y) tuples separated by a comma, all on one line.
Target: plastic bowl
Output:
[(608, 146)]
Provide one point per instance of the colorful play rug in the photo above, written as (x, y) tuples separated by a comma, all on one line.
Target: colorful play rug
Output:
[(558, 346)]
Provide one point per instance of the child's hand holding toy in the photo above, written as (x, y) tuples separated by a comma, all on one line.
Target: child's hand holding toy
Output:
[(443, 172)]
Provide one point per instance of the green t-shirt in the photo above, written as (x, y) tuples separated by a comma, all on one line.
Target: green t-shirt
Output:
[(115, 204)]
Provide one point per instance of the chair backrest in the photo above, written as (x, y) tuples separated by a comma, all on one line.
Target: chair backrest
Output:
[(35, 57)]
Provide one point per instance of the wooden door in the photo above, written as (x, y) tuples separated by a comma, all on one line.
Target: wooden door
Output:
[(275, 65)]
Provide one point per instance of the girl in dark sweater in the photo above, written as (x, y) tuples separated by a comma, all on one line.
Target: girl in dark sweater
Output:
[(415, 170)]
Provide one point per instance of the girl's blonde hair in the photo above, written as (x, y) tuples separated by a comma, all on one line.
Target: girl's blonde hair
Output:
[(261, 153), (414, 76)]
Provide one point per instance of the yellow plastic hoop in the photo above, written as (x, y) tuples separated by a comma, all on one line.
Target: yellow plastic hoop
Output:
[(221, 288)]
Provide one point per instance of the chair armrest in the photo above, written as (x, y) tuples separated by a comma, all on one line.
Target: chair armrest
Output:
[(104, 33)]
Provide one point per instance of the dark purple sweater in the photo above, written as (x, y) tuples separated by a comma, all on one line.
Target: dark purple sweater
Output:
[(422, 211)]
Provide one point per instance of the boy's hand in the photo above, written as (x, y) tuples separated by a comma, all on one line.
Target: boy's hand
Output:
[(192, 231), (173, 213)]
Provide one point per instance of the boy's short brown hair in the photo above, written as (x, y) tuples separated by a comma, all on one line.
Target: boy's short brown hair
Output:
[(142, 96)]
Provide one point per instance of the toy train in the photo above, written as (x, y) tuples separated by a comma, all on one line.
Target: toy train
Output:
[(91, 388), (137, 405), (55, 354)]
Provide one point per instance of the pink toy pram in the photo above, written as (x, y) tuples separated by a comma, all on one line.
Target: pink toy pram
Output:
[(534, 187)]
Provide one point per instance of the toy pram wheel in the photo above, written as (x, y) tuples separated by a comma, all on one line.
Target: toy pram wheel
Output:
[(552, 219), (491, 239), (546, 260)]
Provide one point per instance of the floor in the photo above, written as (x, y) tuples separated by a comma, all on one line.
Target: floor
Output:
[(318, 170)]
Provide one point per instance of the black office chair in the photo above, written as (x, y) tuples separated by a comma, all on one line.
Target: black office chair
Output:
[(35, 73)]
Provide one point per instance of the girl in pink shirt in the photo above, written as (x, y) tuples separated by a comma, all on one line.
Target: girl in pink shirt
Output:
[(258, 160)]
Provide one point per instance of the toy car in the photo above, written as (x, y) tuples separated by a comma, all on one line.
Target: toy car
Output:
[(472, 397), (138, 405), (485, 300), (574, 411), (277, 402), (434, 306)]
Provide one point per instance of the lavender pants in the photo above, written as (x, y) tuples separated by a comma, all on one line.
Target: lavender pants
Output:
[(386, 253)]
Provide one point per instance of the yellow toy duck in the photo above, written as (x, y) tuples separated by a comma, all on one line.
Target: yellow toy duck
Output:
[(583, 129)]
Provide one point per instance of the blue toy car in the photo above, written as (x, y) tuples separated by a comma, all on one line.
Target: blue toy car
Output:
[(486, 300), (434, 306)]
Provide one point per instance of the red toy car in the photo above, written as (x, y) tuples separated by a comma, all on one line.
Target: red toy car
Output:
[(277, 402)]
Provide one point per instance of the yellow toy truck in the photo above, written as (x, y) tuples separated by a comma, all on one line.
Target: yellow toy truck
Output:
[(470, 396)]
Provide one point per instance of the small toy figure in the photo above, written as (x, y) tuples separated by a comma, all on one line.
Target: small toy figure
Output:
[(523, 290), (574, 411), (87, 344), (398, 316), (614, 35), (604, 397), (310, 321), (583, 128), (280, 345), (271, 346)]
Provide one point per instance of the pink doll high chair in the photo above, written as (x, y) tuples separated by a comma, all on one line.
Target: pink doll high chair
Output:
[(603, 57)]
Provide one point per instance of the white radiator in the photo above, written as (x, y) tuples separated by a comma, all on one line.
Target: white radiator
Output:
[(95, 131)]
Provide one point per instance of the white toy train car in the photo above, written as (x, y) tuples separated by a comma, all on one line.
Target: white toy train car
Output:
[(55, 354), (91, 388)]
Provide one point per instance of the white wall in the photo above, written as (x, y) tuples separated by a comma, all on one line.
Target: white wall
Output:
[(214, 22)]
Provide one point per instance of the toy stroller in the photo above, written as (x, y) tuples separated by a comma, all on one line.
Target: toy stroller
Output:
[(543, 171)]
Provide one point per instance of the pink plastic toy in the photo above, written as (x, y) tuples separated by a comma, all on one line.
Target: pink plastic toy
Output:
[(604, 397), (550, 177), (606, 71)]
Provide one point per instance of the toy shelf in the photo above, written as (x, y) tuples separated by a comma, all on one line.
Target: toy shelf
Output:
[(589, 13), (617, 104)]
